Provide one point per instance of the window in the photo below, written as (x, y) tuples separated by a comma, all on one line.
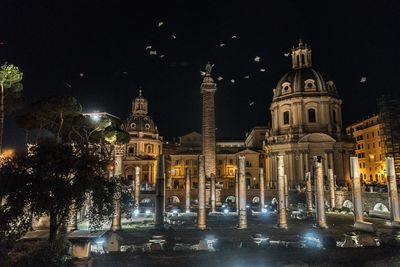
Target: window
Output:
[(131, 151), (373, 145), (334, 116), (367, 136), (219, 162), (311, 115), (373, 134), (360, 165), (378, 132), (218, 173), (149, 148), (286, 117), (231, 161), (379, 143), (368, 146), (186, 162), (176, 162)]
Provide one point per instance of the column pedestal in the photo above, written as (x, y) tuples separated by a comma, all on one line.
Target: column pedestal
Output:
[(201, 213)]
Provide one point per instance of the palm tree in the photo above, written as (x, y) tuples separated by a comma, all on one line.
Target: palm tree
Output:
[(9, 75)]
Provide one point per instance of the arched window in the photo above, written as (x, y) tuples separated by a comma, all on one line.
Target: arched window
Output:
[(286, 117), (149, 149), (312, 117), (303, 61)]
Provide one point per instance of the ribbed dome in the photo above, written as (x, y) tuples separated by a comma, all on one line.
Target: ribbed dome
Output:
[(140, 124), (303, 81)]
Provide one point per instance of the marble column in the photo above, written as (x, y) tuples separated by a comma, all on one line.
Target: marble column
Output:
[(212, 191), (282, 223), (332, 189), (309, 194), (319, 184), (116, 219), (359, 223), (137, 187), (72, 224), (201, 213), (187, 189), (286, 191), (262, 189), (159, 221), (357, 198), (392, 189), (237, 189), (242, 193), (290, 174)]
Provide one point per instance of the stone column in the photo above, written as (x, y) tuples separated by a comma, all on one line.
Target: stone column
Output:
[(116, 219), (187, 189), (357, 198), (212, 192), (137, 187), (359, 223), (159, 222), (392, 189), (201, 213), (262, 189), (72, 224), (319, 184), (242, 193), (282, 223), (291, 170), (332, 189), (309, 194), (286, 192), (237, 189)]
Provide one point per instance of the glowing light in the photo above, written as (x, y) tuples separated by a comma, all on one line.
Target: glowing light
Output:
[(147, 212), (136, 211), (174, 211), (100, 241), (264, 210), (226, 210), (95, 117)]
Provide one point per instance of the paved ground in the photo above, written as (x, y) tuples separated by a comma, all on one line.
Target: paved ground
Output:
[(223, 228)]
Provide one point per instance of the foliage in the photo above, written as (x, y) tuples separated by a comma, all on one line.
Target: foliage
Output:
[(14, 190), (54, 176), (9, 75), (50, 113), (11, 93)]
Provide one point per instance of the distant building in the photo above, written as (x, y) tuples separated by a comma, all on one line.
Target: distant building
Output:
[(227, 152), (389, 117), (144, 146), (369, 149)]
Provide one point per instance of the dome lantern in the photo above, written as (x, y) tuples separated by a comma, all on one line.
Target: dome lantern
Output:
[(139, 105), (301, 56)]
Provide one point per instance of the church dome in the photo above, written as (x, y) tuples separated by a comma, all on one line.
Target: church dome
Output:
[(303, 79), (140, 124), (140, 121)]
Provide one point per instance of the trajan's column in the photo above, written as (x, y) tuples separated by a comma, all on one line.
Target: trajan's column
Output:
[(208, 89)]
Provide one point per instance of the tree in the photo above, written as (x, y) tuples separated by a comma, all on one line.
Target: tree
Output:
[(48, 179), (10, 78), (50, 113)]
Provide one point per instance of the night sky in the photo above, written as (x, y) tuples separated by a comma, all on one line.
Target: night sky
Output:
[(53, 42)]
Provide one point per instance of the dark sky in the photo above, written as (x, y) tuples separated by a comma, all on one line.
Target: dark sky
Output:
[(53, 42)]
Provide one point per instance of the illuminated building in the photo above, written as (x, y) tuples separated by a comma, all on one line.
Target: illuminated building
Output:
[(144, 146), (306, 121), (369, 150)]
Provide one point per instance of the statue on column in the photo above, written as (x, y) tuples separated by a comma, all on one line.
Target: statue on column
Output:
[(209, 68)]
